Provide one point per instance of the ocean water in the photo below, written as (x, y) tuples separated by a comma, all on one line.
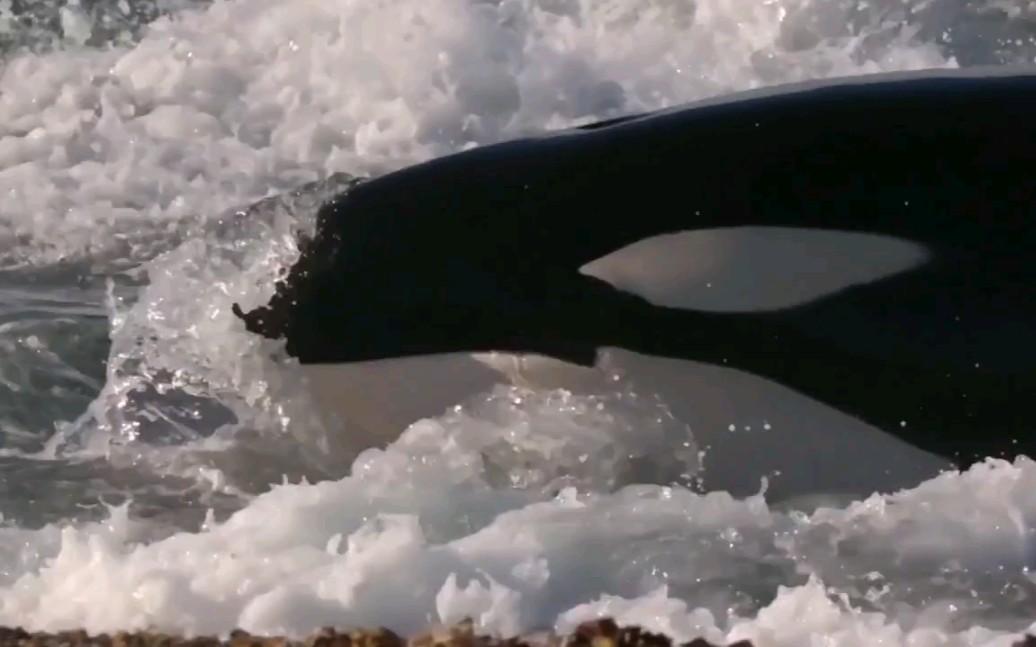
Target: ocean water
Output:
[(160, 468)]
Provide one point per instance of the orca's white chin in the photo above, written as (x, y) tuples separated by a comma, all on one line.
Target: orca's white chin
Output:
[(751, 428), (374, 401)]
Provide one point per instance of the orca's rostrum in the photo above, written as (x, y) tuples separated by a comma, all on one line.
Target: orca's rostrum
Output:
[(902, 294)]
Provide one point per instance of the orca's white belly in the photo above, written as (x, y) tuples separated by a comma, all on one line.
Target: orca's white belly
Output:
[(749, 427), (374, 401)]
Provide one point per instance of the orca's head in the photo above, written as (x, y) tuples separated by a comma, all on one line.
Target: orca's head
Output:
[(378, 279)]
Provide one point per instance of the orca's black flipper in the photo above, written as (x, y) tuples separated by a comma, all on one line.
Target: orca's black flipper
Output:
[(944, 355), (960, 313), (964, 414)]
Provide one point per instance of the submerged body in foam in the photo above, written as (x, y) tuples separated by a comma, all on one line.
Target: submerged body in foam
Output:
[(901, 206)]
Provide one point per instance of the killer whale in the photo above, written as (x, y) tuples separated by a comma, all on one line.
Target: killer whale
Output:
[(505, 249)]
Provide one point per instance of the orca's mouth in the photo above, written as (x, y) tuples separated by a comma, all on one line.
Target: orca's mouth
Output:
[(276, 319), (262, 321)]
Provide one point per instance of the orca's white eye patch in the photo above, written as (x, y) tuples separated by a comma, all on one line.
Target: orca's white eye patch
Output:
[(744, 269)]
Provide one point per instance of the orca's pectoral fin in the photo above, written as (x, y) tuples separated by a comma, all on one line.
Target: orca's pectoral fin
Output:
[(961, 415)]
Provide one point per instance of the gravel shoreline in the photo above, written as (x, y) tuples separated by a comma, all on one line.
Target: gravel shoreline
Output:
[(597, 633)]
